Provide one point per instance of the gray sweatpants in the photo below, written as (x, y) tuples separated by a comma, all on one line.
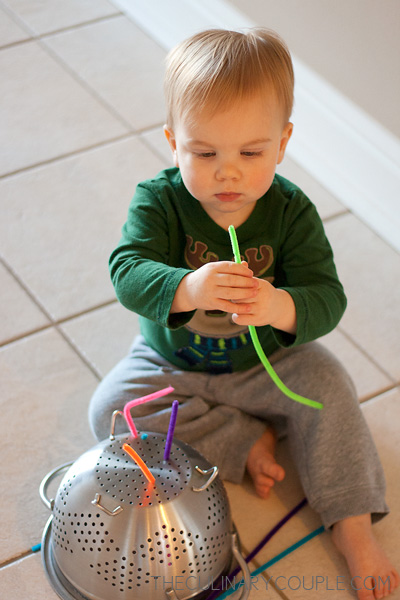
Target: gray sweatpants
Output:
[(223, 415)]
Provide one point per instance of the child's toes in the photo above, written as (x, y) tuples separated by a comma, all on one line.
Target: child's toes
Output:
[(263, 485), (276, 472)]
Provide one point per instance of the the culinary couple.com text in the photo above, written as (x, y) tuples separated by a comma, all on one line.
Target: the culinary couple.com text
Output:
[(280, 582)]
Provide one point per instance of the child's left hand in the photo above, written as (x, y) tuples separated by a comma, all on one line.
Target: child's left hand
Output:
[(271, 306)]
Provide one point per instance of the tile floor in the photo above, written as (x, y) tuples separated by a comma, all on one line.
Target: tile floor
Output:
[(81, 114)]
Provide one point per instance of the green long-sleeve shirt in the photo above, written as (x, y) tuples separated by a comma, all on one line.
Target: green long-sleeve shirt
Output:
[(168, 234)]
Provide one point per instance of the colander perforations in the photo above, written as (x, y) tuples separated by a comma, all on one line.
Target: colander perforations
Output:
[(121, 478), (127, 570), (218, 508), (122, 575), (65, 488), (87, 530), (160, 553)]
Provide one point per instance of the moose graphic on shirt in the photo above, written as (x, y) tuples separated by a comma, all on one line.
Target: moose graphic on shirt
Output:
[(213, 334)]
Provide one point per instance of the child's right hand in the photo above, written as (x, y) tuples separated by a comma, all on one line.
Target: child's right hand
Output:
[(216, 286)]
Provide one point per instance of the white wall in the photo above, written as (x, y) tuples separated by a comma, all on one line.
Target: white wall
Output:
[(353, 44)]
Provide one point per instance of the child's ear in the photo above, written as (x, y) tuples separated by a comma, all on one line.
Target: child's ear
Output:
[(169, 134), (285, 137)]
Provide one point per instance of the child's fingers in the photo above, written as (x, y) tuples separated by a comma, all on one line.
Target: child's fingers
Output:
[(241, 318), (248, 300), (230, 281), (233, 268), (231, 307), (236, 294)]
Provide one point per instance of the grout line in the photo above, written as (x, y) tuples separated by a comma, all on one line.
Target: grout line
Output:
[(34, 36), (71, 154), (334, 216), (80, 25), (14, 559), (156, 152), (87, 311), (26, 289), (85, 359), (375, 395), (26, 334), (149, 128), (17, 43), (271, 582), (54, 323), (379, 395), (367, 355), (74, 153)]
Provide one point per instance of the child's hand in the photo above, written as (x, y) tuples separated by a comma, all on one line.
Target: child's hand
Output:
[(269, 306), (221, 285)]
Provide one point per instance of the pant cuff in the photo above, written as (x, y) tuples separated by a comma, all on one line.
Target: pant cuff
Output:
[(350, 503)]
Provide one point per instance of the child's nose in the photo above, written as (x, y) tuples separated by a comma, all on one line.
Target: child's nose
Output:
[(227, 170)]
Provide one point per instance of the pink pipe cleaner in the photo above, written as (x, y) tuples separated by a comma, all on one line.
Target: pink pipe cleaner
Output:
[(142, 400)]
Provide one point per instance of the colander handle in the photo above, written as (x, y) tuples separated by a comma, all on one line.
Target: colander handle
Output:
[(213, 472), (113, 419), (170, 592), (243, 566), (46, 482)]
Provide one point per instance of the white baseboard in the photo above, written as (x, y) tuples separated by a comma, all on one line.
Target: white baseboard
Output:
[(342, 147)]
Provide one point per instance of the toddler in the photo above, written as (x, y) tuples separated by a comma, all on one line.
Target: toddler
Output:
[(229, 100)]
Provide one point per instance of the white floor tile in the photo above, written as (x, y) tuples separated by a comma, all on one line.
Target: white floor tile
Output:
[(370, 272), (121, 64), (368, 378), (44, 111), (104, 335), (60, 241)]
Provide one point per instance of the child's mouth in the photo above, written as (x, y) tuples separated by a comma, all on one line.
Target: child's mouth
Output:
[(227, 196)]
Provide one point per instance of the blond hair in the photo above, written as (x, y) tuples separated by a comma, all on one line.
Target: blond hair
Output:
[(218, 67)]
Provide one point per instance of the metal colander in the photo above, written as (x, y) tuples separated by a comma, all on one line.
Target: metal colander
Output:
[(113, 535)]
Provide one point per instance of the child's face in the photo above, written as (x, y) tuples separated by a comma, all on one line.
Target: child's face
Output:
[(228, 159)]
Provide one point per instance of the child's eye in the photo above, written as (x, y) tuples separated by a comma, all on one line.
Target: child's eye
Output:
[(205, 154), (248, 153)]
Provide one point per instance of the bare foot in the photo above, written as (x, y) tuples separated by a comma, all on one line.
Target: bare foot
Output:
[(373, 575), (262, 466)]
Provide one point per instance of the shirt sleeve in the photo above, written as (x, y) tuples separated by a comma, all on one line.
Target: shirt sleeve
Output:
[(306, 270), (142, 266)]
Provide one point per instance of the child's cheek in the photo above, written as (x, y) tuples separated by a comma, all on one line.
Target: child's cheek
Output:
[(191, 179)]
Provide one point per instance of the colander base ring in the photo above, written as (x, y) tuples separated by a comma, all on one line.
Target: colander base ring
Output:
[(59, 583), (64, 588)]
